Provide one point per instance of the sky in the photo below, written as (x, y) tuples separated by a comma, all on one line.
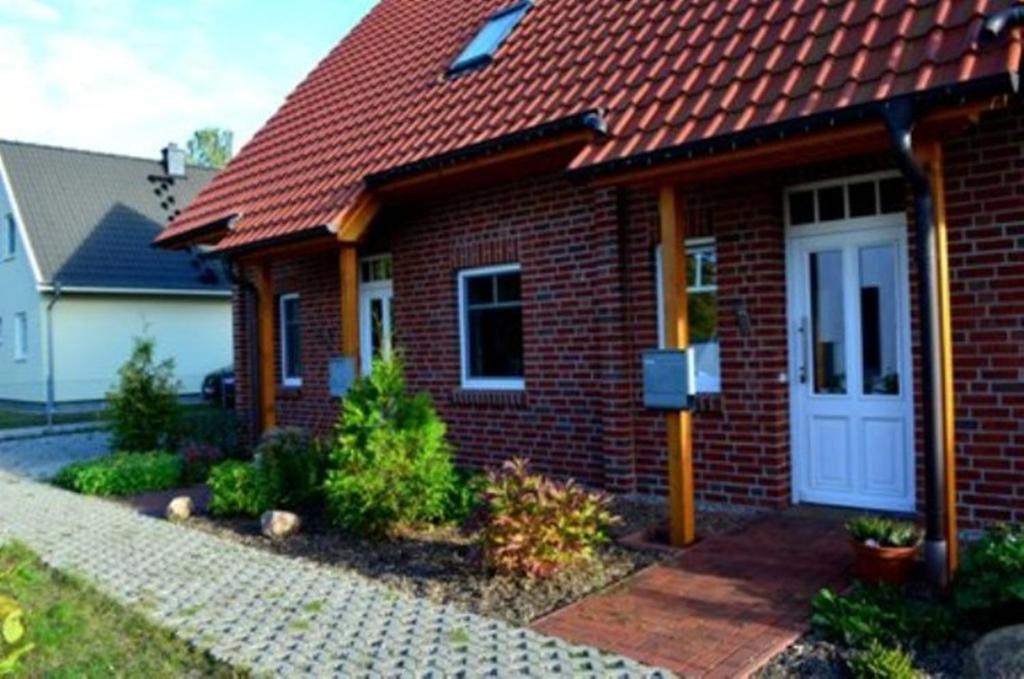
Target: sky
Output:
[(129, 76)]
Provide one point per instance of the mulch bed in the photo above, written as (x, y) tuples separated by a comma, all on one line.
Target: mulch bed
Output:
[(814, 657), (439, 563)]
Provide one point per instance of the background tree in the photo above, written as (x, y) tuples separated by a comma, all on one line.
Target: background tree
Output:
[(211, 147)]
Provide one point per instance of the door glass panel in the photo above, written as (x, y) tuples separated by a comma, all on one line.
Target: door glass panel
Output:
[(827, 319), (377, 326), (879, 326)]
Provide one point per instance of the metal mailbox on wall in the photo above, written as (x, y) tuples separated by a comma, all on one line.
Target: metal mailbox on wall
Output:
[(670, 379), (341, 375)]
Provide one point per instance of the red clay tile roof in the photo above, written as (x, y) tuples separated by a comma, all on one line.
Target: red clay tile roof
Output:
[(668, 72)]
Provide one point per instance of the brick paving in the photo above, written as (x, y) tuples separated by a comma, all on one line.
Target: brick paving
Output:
[(275, 615), (722, 608)]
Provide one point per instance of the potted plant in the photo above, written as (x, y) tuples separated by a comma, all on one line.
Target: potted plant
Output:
[(883, 549)]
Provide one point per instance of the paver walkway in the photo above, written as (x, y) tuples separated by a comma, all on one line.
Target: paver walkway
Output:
[(722, 608), (41, 457), (275, 615)]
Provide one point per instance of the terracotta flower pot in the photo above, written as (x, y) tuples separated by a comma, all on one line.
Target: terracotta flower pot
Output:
[(876, 565)]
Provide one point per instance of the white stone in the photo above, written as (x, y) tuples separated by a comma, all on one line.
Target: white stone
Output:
[(280, 525), (180, 508), (998, 654)]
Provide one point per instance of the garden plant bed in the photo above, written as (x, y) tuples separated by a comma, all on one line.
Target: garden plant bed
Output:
[(440, 563), (816, 657)]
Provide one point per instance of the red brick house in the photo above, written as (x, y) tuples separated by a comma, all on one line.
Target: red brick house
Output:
[(490, 187)]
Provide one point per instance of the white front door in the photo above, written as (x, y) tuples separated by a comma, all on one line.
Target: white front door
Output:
[(851, 385), (376, 322)]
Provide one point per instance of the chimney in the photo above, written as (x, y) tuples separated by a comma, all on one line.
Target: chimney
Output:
[(174, 160)]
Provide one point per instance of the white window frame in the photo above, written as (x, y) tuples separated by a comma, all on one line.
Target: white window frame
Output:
[(483, 383), (286, 379), (705, 384), (10, 237), (21, 336), (879, 218)]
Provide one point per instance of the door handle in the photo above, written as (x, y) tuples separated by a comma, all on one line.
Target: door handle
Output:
[(804, 339)]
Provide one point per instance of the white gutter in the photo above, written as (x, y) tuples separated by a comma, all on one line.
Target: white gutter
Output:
[(20, 221), (165, 292)]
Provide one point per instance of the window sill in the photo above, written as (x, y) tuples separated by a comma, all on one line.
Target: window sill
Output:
[(489, 398), (708, 403), (289, 392)]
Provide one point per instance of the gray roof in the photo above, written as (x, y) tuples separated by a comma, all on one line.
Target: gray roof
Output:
[(91, 218)]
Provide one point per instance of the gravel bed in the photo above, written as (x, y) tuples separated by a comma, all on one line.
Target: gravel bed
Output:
[(439, 564)]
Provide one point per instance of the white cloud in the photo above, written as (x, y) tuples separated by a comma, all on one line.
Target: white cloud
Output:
[(90, 91), (34, 10)]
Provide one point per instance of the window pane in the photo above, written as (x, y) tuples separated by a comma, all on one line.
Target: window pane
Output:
[(12, 236), (496, 342), (831, 203), (893, 195), (863, 202), (490, 37), (879, 327), (509, 287), (801, 207), (709, 268), (480, 290), (692, 264), (828, 329), (290, 333), (377, 326), (703, 309)]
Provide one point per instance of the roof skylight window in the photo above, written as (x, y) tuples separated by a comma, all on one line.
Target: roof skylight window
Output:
[(482, 47)]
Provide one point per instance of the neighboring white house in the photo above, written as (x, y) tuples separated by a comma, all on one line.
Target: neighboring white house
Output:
[(76, 265)]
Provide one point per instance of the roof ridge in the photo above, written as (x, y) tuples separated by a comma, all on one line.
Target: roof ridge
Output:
[(90, 152)]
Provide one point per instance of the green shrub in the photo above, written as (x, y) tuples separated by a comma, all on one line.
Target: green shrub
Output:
[(877, 661), (198, 460), (466, 495), (143, 409), (883, 532), (214, 428), (390, 462), (123, 474), (990, 583), (292, 467), (238, 489), (535, 526), (883, 614)]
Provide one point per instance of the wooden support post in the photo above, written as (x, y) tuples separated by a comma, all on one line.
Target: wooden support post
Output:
[(348, 266), (935, 168), (265, 340), (682, 524)]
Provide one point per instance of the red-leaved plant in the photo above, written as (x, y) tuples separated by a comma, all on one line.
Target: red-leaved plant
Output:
[(199, 459), (535, 526)]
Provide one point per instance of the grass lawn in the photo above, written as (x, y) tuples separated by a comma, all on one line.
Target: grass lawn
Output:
[(78, 632), (10, 419)]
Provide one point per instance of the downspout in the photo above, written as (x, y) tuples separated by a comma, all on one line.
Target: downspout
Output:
[(899, 119), (251, 341), (51, 389)]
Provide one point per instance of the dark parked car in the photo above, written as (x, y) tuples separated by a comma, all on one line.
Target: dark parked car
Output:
[(219, 387)]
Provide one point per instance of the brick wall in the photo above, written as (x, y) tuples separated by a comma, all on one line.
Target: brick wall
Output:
[(587, 259), (985, 205)]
